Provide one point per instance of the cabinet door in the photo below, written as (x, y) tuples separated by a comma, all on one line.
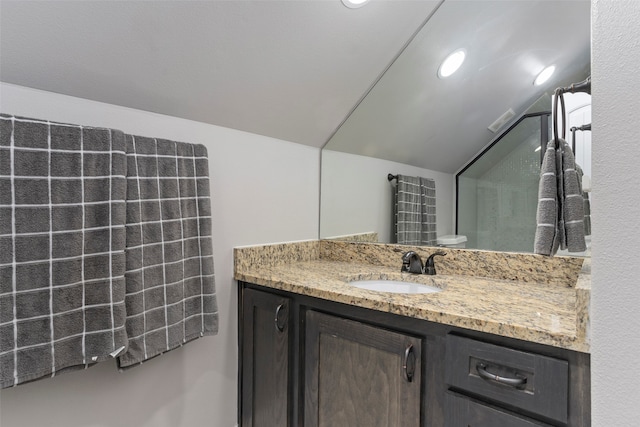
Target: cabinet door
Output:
[(460, 411), (264, 336), (360, 375)]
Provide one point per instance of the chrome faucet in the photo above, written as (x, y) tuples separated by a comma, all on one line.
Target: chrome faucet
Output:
[(411, 263), (429, 266)]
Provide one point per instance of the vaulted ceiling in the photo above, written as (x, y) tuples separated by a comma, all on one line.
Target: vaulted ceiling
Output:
[(286, 69), (292, 70)]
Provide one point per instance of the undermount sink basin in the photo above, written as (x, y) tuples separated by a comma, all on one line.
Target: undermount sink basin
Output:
[(394, 286)]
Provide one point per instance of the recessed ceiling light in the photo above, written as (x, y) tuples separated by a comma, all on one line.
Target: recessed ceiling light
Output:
[(354, 4), (544, 75), (452, 63)]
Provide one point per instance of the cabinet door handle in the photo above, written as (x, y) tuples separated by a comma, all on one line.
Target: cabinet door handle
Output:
[(279, 327), (409, 363), (517, 382)]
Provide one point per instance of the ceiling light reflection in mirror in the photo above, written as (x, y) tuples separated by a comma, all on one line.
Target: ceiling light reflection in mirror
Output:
[(414, 123), (544, 75), (452, 63), (354, 4)]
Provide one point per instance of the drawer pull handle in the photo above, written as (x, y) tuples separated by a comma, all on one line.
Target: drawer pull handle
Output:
[(409, 364), (512, 382), (279, 327)]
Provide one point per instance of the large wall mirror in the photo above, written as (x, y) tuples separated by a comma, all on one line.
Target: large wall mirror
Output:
[(415, 122)]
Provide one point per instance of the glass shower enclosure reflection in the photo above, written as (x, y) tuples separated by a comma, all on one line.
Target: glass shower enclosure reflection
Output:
[(497, 193)]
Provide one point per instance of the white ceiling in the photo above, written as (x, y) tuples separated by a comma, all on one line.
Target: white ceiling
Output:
[(294, 70), (287, 69)]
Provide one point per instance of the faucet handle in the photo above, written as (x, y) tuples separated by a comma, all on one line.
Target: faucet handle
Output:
[(406, 261), (405, 266), (411, 263), (429, 265)]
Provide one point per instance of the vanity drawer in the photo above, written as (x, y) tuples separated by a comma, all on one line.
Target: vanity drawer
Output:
[(462, 411), (517, 379)]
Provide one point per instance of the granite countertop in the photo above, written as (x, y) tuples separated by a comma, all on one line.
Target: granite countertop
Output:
[(545, 309)]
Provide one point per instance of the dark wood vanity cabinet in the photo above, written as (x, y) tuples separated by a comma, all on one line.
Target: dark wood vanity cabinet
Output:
[(266, 345), (359, 375), (308, 362)]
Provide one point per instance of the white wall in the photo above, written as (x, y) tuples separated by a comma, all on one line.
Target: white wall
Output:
[(263, 190), (356, 195), (615, 304)]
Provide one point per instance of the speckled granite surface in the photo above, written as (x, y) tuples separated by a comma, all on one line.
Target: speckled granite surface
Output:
[(280, 253), (538, 299), (496, 265), (362, 237)]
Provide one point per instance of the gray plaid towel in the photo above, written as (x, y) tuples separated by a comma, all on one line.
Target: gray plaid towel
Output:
[(546, 237), (170, 283), (587, 203), (415, 210), (572, 204), (105, 248), (62, 242), (560, 214)]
